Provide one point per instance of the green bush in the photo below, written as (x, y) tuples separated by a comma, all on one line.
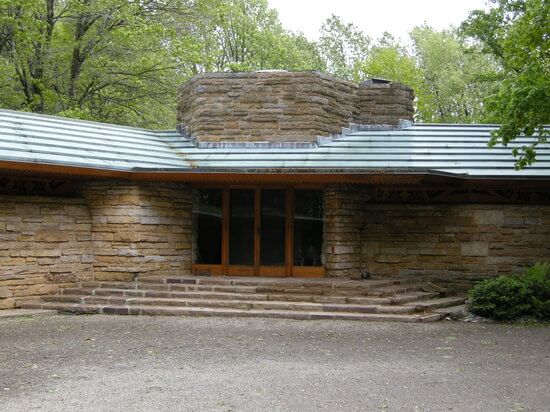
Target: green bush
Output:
[(503, 298), (537, 282), (508, 298)]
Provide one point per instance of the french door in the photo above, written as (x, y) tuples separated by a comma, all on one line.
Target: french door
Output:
[(259, 232)]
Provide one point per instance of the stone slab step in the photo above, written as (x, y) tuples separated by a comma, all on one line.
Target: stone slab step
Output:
[(396, 289), (454, 312), (198, 311), (365, 300), (232, 304), (283, 282), (385, 291), (16, 313), (431, 304), (407, 297)]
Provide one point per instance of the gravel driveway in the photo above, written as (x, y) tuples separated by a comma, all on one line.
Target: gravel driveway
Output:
[(168, 363)]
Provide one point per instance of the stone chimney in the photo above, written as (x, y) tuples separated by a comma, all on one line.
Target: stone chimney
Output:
[(281, 106)]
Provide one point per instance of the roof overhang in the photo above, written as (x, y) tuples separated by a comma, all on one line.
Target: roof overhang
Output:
[(267, 176)]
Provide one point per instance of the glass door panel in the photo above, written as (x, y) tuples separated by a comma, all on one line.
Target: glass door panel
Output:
[(208, 215), (241, 227), (273, 227), (308, 227)]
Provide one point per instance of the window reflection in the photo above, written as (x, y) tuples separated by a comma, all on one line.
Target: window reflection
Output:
[(208, 214), (308, 227)]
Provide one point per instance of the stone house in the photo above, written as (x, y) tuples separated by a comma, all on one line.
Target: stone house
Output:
[(269, 174)]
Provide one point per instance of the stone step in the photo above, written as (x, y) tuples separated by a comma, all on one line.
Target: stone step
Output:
[(230, 295), (281, 282), (233, 304), (397, 289), (202, 311), (453, 312), (403, 298), (431, 304), (383, 291)]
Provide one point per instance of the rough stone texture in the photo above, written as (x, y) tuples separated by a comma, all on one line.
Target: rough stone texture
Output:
[(454, 243), (140, 229), (118, 230), (107, 231), (343, 208), (44, 244), (285, 106), (384, 103)]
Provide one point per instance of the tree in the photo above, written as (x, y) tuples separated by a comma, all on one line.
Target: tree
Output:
[(98, 59), (516, 33), (455, 79), (389, 60), (243, 35), (343, 47), (122, 61)]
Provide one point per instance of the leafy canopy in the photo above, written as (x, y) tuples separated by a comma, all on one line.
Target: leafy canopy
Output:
[(517, 34)]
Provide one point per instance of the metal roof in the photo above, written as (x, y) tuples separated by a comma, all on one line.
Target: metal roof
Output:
[(449, 149)]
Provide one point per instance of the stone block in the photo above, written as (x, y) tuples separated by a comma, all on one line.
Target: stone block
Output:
[(8, 303), (475, 249), (43, 289), (5, 293), (52, 236), (488, 217)]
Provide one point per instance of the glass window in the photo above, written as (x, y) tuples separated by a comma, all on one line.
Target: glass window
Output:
[(241, 227), (208, 215), (308, 227), (273, 227)]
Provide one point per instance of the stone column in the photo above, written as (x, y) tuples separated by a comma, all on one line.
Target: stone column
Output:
[(344, 206), (140, 229)]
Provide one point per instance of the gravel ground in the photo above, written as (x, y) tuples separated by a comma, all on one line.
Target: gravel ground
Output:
[(120, 363)]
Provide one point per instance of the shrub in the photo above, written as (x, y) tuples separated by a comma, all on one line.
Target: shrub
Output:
[(503, 298), (508, 298), (537, 282)]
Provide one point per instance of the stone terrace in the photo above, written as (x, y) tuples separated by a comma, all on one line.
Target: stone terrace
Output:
[(370, 300)]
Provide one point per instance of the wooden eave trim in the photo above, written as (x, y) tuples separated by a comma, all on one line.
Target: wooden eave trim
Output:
[(22, 168)]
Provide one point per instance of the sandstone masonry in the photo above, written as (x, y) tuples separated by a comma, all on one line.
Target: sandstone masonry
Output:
[(45, 244), (106, 231), (454, 243), (285, 106)]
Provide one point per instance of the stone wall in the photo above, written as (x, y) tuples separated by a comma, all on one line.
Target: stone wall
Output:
[(140, 229), (343, 208), (454, 243), (106, 231), (45, 244), (285, 106)]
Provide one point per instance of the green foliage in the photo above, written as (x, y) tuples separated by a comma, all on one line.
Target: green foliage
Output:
[(343, 47), (537, 283), (509, 298), (243, 35), (515, 32), (503, 298), (122, 61), (454, 80), (108, 60), (449, 79)]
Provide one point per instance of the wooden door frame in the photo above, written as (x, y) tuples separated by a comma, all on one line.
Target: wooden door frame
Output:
[(288, 270)]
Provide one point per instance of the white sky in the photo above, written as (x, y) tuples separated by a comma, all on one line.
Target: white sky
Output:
[(374, 17)]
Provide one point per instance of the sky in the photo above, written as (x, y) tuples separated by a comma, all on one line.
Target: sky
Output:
[(374, 17)]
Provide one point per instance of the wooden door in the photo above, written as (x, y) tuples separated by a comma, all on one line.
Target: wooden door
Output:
[(254, 229)]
